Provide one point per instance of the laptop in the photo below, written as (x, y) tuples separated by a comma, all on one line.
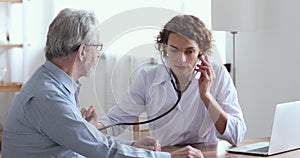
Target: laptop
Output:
[(285, 134)]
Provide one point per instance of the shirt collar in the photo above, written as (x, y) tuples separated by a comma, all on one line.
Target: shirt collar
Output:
[(62, 77), (164, 76)]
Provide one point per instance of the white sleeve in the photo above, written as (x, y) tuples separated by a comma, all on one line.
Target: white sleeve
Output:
[(226, 96), (128, 110)]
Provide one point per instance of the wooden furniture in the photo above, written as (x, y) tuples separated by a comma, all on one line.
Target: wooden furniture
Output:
[(10, 86), (218, 150), (11, 45), (139, 132), (10, 0), (7, 45), (0, 140)]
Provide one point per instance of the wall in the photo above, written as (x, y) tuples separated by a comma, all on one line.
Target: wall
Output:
[(268, 63)]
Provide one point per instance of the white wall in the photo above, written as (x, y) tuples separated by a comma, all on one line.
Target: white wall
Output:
[(268, 63)]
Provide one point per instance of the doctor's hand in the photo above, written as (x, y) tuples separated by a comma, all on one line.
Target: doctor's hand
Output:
[(90, 115), (148, 143), (207, 76), (188, 152)]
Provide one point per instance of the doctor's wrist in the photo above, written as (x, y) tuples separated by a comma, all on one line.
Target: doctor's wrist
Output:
[(99, 125)]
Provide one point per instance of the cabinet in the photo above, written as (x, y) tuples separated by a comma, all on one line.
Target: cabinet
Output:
[(7, 45)]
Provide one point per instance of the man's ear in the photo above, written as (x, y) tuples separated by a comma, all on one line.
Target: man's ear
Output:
[(81, 51)]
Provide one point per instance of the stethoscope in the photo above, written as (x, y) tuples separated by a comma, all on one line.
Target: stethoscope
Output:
[(178, 91)]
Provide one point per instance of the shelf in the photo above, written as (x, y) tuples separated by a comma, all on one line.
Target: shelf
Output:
[(11, 45), (10, 86), (11, 1)]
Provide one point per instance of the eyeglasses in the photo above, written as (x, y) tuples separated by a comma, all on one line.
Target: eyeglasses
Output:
[(98, 46), (175, 52)]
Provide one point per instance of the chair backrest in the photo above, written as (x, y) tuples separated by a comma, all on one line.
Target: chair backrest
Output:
[(139, 132)]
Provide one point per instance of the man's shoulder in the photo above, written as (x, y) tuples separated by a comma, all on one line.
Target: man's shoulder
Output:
[(41, 83)]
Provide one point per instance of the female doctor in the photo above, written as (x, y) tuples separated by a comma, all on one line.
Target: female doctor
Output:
[(208, 109)]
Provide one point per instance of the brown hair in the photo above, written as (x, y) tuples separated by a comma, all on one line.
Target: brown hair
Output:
[(190, 27)]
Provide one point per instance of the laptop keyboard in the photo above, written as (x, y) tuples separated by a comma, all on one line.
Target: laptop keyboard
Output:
[(263, 149)]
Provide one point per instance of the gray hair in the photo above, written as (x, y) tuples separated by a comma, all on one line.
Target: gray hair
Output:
[(68, 31)]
